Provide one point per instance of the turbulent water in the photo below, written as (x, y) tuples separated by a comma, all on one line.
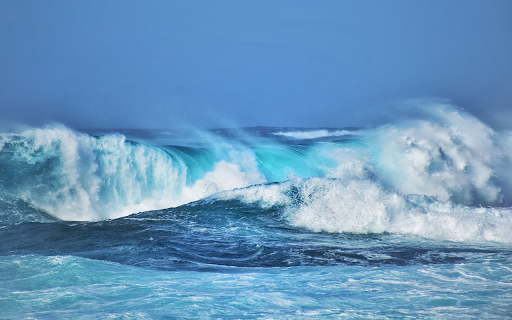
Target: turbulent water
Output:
[(407, 220)]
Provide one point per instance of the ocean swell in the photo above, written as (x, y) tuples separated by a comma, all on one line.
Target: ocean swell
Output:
[(446, 175)]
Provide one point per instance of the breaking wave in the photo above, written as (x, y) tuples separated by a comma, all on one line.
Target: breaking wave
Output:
[(446, 175), (76, 177), (364, 206)]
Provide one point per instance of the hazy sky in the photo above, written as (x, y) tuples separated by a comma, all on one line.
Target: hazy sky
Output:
[(105, 64)]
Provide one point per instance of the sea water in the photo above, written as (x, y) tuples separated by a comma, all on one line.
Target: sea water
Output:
[(407, 220)]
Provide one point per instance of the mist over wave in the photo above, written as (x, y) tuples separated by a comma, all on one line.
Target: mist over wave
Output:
[(430, 177), (444, 175), (76, 177)]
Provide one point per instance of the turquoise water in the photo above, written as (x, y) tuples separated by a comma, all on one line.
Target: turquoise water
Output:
[(72, 287), (409, 220)]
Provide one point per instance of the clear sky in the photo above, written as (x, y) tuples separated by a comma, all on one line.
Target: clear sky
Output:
[(162, 64)]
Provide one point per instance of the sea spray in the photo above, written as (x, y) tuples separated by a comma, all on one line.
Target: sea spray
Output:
[(73, 176), (453, 157), (449, 156), (76, 177), (414, 213), (365, 207)]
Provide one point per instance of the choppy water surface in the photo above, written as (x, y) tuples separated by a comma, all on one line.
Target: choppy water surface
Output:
[(408, 220)]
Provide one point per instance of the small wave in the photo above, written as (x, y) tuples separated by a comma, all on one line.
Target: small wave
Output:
[(315, 134)]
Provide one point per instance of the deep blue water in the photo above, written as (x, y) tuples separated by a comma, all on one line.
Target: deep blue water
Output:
[(409, 220)]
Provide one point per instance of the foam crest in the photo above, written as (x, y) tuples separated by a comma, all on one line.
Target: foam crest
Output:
[(364, 206), (454, 158), (73, 176), (241, 173), (76, 177), (315, 134), (428, 177), (448, 156)]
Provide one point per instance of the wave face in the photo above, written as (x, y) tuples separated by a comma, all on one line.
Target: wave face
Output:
[(73, 176), (432, 177), (76, 177)]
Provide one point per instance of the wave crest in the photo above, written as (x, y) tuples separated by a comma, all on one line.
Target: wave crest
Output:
[(364, 206), (76, 177), (448, 156), (454, 158)]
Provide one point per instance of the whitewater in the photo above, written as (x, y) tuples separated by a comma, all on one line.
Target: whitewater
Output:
[(411, 219)]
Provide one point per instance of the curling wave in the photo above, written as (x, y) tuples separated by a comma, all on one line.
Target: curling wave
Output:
[(445, 167), (76, 177)]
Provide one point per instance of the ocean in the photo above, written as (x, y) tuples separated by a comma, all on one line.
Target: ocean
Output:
[(408, 220)]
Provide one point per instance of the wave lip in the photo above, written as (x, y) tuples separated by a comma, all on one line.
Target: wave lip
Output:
[(75, 177)]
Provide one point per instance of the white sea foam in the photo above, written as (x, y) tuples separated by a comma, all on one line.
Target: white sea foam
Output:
[(315, 134), (357, 186), (76, 177), (225, 176), (454, 158), (364, 206), (428, 177)]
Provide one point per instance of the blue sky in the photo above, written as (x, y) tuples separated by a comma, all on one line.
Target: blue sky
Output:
[(164, 64)]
